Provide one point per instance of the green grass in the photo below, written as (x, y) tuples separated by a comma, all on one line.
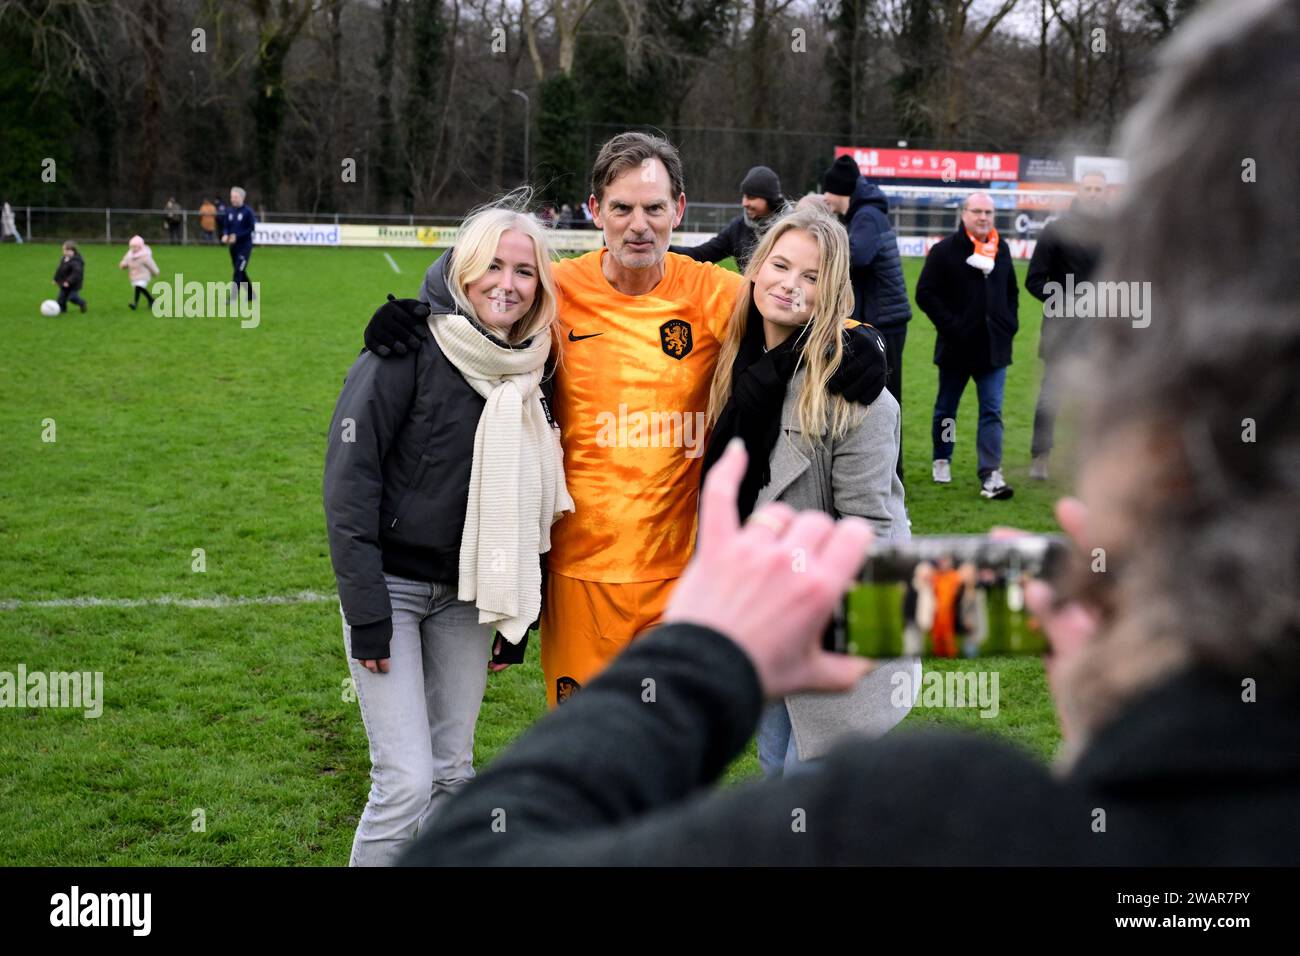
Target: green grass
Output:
[(177, 434)]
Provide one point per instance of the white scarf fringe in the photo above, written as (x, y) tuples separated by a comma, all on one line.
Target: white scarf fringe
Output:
[(516, 486)]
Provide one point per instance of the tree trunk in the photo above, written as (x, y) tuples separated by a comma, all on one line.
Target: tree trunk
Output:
[(276, 36), (1042, 58), (388, 164), (153, 22)]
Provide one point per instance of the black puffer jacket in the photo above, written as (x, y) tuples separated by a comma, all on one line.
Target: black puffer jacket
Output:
[(72, 270), (397, 470), (879, 290), (975, 315)]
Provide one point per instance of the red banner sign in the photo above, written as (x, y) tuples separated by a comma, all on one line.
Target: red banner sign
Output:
[(951, 167)]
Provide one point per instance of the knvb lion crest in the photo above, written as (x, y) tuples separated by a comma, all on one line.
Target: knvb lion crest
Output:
[(675, 338), (565, 687)]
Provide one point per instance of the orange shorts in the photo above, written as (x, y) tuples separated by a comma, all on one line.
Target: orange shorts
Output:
[(585, 624)]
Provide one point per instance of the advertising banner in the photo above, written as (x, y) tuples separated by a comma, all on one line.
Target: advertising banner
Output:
[(296, 234), (947, 166), (1049, 197), (1115, 170), (921, 245), (1044, 169)]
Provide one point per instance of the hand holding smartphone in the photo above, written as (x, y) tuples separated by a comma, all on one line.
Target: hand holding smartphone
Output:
[(947, 596)]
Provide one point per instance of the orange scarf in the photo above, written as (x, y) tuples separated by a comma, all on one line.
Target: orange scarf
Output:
[(989, 247)]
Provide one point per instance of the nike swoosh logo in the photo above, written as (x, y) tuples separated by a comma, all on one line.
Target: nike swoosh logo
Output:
[(579, 338)]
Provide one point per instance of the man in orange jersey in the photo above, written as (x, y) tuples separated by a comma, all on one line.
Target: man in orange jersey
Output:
[(641, 328)]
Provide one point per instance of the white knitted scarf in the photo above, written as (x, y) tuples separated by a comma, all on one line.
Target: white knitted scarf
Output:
[(516, 486)]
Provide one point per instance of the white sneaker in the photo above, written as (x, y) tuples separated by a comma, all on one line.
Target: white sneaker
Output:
[(1038, 468), (995, 486), (942, 471)]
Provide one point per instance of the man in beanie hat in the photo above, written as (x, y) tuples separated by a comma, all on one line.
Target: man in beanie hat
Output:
[(879, 291), (760, 195)]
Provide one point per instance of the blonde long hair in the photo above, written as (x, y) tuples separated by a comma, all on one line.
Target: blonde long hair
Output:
[(823, 348), (477, 245)]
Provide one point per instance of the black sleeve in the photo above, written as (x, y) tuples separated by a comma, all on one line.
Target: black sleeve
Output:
[(664, 720), (370, 412), (616, 776), (712, 250), (1041, 263), (1013, 292), (76, 272), (928, 297)]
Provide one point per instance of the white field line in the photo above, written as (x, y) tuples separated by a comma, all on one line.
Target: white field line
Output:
[(392, 263), (167, 600)]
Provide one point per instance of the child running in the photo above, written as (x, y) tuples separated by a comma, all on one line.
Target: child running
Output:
[(69, 276), (140, 266)]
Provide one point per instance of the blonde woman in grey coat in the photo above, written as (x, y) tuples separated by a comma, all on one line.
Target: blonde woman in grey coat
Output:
[(810, 449)]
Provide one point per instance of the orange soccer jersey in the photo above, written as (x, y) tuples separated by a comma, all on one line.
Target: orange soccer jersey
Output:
[(631, 397)]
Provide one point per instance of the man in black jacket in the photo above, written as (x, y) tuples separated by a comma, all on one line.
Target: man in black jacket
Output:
[(879, 289), (1067, 248), (1176, 674), (968, 289), (760, 195)]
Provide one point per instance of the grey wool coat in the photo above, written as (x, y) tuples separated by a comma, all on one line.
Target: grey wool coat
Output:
[(852, 476)]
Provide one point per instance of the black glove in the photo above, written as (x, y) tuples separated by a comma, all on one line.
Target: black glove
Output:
[(864, 369), (398, 326), (510, 653)]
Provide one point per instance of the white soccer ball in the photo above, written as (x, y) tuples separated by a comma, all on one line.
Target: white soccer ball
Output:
[(49, 307)]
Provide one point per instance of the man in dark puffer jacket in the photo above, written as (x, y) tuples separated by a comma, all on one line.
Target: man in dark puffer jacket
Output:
[(879, 291)]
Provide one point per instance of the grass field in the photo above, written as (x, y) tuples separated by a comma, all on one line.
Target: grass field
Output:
[(179, 434)]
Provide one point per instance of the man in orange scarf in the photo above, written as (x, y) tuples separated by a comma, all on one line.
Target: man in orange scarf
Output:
[(968, 290)]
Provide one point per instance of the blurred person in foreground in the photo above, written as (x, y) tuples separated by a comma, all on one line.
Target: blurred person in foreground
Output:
[(1176, 674), (1066, 254)]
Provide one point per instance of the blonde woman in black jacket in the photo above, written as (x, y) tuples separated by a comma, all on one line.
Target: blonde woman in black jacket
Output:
[(442, 478)]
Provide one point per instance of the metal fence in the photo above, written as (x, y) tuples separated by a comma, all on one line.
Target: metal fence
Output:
[(914, 210)]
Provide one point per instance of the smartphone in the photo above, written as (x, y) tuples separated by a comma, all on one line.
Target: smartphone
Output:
[(947, 596)]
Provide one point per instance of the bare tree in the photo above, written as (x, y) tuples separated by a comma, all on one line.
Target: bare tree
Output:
[(954, 16), (566, 17), (279, 22)]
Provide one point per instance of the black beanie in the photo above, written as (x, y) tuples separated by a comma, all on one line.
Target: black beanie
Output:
[(842, 177), (762, 183)]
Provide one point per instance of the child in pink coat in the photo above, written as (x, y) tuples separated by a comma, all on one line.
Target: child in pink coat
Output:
[(140, 266)]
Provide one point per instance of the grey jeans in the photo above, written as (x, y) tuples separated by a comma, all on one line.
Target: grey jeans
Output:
[(420, 716)]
